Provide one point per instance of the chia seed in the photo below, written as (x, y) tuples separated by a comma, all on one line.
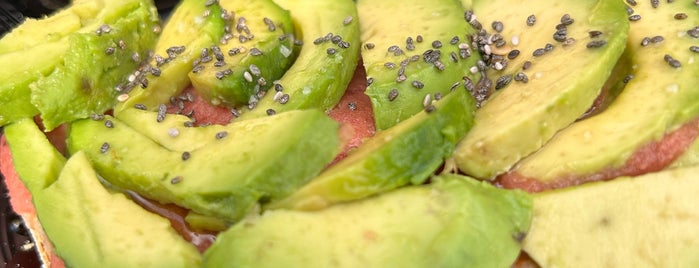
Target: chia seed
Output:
[(502, 81), (657, 39), (531, 20), (255, 51), (162, 110), (635, 17), (672, 61), (513, 54), (104, 148), (594, 34), (497, 26), (538, 52), (681, 16), (284, 99), (596, 44), (521, 77), (186, 156), (567, 20), (221, 135), (392, 94)]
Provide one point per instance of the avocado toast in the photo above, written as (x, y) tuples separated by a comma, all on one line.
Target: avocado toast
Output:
[(358, 221)]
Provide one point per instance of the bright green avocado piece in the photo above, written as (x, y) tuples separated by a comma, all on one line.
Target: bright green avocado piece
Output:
[(90, 225), (68, 66), (247, 161), (80, 15), (407, 153), (87, 223), (646, 221), (401, 61), (317, 79), (192, 26), (23, 68), (90, 78), (257, 50), (668, 94), (454, 222), (26, 142), (562, 84), (33, 32)]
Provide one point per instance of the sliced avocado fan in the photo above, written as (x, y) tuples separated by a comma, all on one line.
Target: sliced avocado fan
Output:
[(548, 64), (665, 81), (191, 27)]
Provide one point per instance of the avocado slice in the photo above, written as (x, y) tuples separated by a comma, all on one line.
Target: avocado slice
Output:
[(407, 153), (26, 141), (649, 220), (192, 26), (259, 47), (72, 212), (522, 116), (86, 222), (414, 58), (437, 225), (23, 68), (33, 32), (73, 76), (323, 68), (80, 15), (668, 94), (248, 161), (89, 73)]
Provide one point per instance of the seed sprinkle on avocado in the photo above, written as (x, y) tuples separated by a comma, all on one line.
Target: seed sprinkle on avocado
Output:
[(104, 148)]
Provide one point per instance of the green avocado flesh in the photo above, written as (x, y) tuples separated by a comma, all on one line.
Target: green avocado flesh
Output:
[(668, 95), (76, 76), (191, 27), (646, 221), (81, 16), (561, 84), (72, 212), (26, 142), (442, 224), (257, 51), (87, 223), (400, 55), (407, 153), (240, 165), (318, 78)]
